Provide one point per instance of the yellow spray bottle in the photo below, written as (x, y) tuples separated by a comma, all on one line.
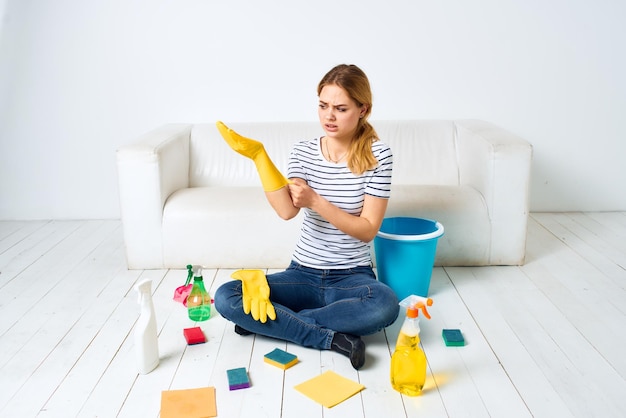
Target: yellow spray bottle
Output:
[(408, 362)]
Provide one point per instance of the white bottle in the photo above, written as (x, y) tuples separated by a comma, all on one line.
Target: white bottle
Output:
[(146, 343)]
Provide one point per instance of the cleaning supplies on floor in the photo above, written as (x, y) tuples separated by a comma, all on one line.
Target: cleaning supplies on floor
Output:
[(408, 362), (199, 300), (146, 342)]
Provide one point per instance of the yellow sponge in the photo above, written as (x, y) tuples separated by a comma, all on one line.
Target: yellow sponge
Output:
[(280, 358)]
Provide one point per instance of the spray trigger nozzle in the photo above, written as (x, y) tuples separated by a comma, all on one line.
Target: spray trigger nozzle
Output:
[(189, 274), (417, 303), (143, 288)]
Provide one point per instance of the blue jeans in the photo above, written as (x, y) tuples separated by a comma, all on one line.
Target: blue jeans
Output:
[(312, 304)]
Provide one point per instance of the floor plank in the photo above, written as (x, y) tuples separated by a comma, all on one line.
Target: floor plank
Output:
[(488, 311), (45, 329)]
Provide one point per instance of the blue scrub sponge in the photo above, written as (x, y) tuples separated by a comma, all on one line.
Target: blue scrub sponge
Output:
[(238, 378), (280, 358)]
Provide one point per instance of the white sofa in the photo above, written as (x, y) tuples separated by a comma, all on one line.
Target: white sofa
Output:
[(187, 198)]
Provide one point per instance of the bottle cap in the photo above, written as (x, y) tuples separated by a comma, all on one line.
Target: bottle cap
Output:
[(412, 312)]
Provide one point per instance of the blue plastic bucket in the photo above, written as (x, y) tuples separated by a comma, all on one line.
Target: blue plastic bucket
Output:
[(405, 254)]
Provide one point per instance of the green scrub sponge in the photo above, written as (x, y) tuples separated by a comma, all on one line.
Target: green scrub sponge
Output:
[(453, 337)]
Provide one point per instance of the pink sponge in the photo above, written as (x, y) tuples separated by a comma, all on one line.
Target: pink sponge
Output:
[(194, 335)]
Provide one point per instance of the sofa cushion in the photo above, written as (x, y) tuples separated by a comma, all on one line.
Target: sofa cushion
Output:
[(213, 163), (425, 152), (225, 218), (229, 226)]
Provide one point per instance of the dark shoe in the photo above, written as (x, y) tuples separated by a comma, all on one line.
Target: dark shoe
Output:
[(350, 346), (242, 331)]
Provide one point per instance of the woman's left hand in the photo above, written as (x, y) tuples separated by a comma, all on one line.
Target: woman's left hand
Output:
[(302, 195)]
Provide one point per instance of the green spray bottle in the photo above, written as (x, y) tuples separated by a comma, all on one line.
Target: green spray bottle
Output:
[(199, 300)]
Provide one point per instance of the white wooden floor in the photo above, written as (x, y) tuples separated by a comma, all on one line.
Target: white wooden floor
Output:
[(546, 339)]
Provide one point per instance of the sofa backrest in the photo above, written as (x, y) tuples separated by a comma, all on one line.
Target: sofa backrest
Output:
[(425, 152)]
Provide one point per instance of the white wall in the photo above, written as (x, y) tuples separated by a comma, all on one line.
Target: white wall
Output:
[(79, 78)]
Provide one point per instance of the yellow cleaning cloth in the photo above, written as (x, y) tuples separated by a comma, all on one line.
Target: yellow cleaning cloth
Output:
[(329, 388), (188, 403)]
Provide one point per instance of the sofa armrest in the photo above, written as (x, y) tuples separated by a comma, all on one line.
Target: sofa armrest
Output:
[(149, 171), (497, 163)]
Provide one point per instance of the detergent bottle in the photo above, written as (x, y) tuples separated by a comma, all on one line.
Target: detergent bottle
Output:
[(408, 362), (146, 342), (199, 300)]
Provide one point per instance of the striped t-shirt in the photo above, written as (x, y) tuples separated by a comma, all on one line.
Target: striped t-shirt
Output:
[(321, 245)]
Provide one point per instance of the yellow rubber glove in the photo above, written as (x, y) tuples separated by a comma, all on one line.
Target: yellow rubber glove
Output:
[(271, 178), (255, 294)]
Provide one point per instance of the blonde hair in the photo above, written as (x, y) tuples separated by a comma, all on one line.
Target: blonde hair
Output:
[(354, 81)]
